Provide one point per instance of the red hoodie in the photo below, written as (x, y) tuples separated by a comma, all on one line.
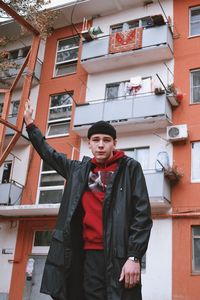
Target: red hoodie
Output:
[(92, 201)]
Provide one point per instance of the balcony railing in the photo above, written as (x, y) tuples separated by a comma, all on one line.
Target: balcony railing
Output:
[(159, 190), (128, 114), (9, 131), (10, 73), (10, 193), (157, 45)]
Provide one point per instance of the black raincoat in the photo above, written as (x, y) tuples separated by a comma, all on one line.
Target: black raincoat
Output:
[(126, 224)]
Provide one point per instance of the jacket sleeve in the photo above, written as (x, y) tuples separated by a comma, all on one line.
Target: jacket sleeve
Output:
[(141, 220), (58, 161)]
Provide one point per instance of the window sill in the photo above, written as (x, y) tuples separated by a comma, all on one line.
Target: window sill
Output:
[(194, 36), (195, 273), (197, 103), (57, 136), (63, 75), (195, 181)]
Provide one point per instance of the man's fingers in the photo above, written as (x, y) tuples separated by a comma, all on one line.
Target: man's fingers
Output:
[(127, 281), (121, 275)]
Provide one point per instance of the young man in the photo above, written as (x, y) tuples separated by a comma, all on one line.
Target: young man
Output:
[(104, 221)]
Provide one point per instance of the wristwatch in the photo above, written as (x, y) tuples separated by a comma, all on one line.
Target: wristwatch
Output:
[(135, 259)]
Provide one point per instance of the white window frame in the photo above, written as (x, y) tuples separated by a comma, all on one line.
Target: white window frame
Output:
[(139, 148), (191, 86), (74, 60), (43, 250), (192, 161), (47, 188), (190, 21), (194, 237), (57, 122)]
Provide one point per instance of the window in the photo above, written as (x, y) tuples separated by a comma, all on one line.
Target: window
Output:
[(144, 22), (195, 86), (14, 107), (67, 56), (51, 185), (18, 53), (196, 249), (139, 154), (196, 161), (59, 114), (42, 238), (41, 242), (6, 172), (116, 90), (1, 108), (129, 88), (195, 21)]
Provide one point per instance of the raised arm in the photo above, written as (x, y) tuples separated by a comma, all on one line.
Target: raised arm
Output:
[(58, 161)]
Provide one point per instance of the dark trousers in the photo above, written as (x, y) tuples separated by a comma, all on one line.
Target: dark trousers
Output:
[(94, 275)]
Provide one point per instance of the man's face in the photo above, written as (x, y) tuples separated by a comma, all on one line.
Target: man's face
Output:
[(102, 147)]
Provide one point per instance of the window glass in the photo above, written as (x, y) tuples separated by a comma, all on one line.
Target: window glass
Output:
[(50, 196), (195, 161), (42, 238), (67, 56), (195, 21), (196, 248), (139, 154), (6, 172), (58, 129), (195, 86), (1, 108)]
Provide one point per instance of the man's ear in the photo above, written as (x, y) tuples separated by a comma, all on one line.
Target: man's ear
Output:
[(115, 143)]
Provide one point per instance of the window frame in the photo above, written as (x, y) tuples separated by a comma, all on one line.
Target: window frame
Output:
[(190, 21), (48, 188), (138, 148), (192, 87), (192, 157), (195, 272), (68, 62), (57, 122)]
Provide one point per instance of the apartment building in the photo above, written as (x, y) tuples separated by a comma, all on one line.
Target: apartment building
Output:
[(185, 196), (122, 71)]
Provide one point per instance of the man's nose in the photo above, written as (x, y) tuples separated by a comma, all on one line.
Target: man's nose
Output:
[(101, 143)]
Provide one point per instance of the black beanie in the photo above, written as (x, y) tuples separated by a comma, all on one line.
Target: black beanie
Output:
[(102, 127)]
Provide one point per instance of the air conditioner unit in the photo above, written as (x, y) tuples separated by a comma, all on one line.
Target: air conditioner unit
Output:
[(177, 133)]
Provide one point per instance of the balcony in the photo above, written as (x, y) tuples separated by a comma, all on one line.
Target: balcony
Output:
[(159, 190), (157, 184), (8, 75), (127, 114), (10, 193), (157, 45), (9, 131)]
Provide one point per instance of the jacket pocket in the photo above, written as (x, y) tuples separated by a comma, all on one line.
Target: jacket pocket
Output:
[(56, 251)]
